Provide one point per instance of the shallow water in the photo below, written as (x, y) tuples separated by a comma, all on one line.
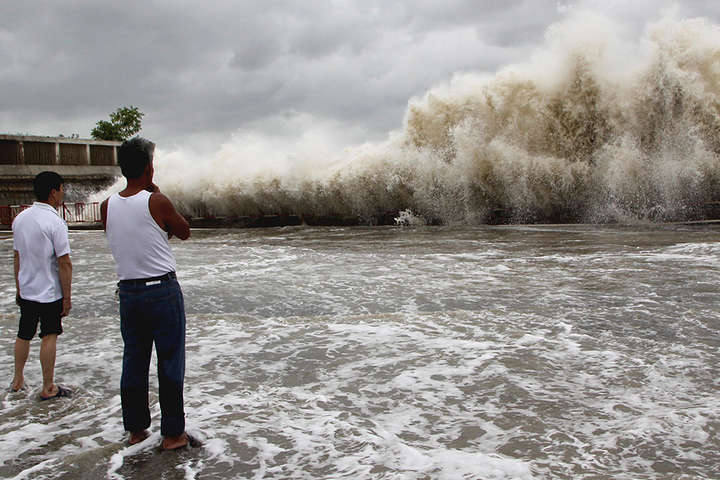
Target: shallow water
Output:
[(398, 353)]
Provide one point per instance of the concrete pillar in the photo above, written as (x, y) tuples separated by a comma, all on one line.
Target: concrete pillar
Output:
[(57, 153)]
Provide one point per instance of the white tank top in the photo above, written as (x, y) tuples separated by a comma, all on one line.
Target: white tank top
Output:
[(140, 247)]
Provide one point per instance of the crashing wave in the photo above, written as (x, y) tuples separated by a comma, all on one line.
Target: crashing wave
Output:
[(593, 128)]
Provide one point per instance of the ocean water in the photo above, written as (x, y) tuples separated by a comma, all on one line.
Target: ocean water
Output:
[(510, 352)]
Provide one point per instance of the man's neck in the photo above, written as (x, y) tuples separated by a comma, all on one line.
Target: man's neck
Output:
[(134, 185), (50, 203)]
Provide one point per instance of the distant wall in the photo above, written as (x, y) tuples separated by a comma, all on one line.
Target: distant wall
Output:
[(32, 150), (86, 165)]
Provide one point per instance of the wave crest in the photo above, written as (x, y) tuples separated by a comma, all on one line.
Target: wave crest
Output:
[(593, 128)]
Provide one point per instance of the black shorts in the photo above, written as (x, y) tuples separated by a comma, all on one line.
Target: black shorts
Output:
[(48, 314)]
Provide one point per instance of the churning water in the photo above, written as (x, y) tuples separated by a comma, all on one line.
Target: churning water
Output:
[(598, 126), (454, 352), (514, 352)]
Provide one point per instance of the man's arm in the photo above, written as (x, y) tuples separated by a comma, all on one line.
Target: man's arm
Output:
[(16, 264), (65, 271), (103, 213), (165, 215)]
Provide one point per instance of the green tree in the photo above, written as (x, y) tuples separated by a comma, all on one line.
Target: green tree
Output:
[(124, 123)]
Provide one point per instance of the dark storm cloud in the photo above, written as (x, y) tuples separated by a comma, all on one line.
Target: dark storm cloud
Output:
[(208, 68)]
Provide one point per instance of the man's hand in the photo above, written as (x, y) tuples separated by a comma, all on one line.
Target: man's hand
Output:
[(17, 299), (67, 305)]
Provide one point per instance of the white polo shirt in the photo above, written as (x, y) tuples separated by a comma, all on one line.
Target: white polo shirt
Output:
[(40, 237)]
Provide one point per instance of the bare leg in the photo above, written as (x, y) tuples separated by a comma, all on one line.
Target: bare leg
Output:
[(22, 350), (48, 345)]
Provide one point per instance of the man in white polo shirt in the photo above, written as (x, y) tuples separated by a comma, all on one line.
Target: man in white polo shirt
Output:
[(43, 274)]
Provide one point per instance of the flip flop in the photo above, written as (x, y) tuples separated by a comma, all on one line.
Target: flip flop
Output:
[(15, 390), (62, 392)]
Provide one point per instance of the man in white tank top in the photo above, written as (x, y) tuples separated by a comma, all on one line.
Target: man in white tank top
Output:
[(138, 223)]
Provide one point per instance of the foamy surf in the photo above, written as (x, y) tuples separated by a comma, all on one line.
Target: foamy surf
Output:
[(414, 352)]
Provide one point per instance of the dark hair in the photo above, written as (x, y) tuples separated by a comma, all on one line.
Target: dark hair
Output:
[(134, 155), (45, 182)]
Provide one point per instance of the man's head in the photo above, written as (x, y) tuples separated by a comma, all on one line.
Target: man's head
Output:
[(134, 156), (48, 187)]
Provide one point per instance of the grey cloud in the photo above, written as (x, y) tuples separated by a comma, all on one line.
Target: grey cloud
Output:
[(208, 68)]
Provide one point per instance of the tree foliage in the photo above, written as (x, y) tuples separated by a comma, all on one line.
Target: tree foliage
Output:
[(124, 123)]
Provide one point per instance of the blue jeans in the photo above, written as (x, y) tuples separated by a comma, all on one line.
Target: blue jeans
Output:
[(153, 313)]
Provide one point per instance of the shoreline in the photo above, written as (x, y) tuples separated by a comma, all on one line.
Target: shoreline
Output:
[(279, 222)]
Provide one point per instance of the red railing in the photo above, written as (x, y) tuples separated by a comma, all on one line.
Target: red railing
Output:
[(78, 212), (6, 216)]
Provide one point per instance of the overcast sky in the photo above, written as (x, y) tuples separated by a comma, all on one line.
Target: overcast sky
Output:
[(202, 71)]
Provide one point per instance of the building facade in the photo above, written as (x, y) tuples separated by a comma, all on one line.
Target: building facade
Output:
[(87, 166)]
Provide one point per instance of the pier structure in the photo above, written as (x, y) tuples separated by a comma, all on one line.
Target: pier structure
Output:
[(86, 166)]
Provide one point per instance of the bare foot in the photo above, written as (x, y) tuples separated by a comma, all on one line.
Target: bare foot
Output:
[(137, 437), (49, 393), (18, 385), (173, 443)]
